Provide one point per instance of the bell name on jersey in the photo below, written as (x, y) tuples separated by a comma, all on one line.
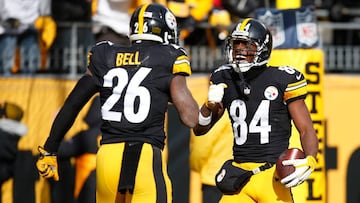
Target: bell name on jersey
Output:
[(127, 58)]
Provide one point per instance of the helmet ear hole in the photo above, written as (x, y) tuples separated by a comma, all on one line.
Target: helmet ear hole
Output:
[(153, 22)]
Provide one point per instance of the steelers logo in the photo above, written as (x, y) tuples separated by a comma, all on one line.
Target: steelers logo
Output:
[(271, 93), (170, 20)]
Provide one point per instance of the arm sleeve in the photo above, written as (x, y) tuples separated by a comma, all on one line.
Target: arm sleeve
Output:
[(296, 87), (84, 89)]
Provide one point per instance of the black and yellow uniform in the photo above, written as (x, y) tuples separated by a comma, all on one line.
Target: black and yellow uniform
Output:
[(135, 83), (135, 90), (256, 102), (134, 95)]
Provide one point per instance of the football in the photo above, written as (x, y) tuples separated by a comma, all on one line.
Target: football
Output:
[(292, 153)]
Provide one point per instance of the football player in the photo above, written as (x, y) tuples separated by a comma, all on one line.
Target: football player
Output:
[(135, 84), (261, 102)]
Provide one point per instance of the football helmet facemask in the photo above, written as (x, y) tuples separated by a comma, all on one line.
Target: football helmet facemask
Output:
[(153, 22), (258, 45)]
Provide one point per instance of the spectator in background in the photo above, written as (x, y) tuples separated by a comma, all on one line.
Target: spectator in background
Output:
[(220, 23), (189, 13), (71, 15), (242, 8), (11, 129), (111, 21), (46, 27), (17, 30)]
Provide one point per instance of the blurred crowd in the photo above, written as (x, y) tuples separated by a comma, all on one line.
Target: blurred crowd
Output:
[(41, 36)]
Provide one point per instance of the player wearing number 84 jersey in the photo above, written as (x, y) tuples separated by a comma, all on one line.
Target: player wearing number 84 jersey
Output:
[(260, 117), (261, 101), (135, 83)]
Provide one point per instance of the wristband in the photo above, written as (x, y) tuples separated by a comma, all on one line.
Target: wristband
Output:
[(204, 120)]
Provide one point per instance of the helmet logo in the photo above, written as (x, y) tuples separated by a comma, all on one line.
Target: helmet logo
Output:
[(170, 20), (241, 30)]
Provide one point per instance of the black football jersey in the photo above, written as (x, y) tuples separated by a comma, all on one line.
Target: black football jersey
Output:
[(257, 105), (134, 82)]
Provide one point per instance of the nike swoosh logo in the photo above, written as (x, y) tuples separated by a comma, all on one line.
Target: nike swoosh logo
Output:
[(298, 77)]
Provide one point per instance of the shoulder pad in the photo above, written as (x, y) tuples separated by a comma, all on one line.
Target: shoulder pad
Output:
[(101, 46), (222, 73), (291, 72), (104, 42), (180, 48), (223, 67)]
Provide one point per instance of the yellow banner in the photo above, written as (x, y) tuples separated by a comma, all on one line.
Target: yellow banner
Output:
[(311, 63), (342, 95)]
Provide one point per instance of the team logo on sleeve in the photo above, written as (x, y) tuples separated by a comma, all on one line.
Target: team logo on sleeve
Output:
[(271, 93)]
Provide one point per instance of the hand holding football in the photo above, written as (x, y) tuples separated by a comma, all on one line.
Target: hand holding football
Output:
[(289, 154)]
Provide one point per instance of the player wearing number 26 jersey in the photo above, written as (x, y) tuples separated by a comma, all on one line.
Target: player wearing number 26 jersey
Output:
[(261, 101), (135, 88), (135, 83)]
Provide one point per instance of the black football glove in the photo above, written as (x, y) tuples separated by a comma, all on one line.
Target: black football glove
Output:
[(47, 164)]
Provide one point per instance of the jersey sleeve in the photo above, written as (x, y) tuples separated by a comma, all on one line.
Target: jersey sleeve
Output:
[(296, 87), (181, 64), (221, 75), (96, 60)]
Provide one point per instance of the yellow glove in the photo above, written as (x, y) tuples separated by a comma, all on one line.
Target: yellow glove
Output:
[(47, 164)]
